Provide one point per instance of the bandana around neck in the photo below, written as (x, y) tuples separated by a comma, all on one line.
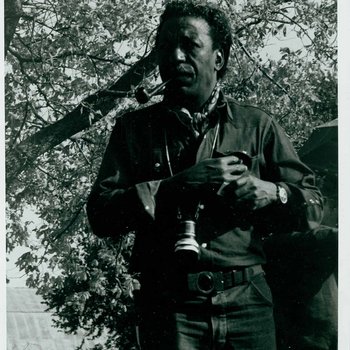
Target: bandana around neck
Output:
[(198, 121)]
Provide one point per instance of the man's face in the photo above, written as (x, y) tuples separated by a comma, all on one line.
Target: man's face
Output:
[(186, 55)]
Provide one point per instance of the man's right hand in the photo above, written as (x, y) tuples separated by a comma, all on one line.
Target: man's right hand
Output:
[(208, 172)]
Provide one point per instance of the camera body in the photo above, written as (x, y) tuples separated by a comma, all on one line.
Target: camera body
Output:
[(243, 157)]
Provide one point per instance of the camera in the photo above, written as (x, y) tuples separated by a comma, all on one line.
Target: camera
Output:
[(243, 157), (186, 247)]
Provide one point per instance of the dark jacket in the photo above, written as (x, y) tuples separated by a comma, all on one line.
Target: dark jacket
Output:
[(127, 194)]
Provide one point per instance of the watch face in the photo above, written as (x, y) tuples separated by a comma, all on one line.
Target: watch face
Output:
[(282, 194)]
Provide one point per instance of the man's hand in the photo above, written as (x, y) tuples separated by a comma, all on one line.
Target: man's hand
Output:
[(249, 191), (209, 172), (238, 186)]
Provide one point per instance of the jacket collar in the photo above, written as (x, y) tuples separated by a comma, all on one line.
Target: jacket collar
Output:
[(223, 107)]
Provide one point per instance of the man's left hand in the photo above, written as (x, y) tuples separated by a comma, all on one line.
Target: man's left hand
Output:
[(249, 191)]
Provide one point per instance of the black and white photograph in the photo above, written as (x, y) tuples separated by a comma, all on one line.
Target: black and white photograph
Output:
[(174, 176)]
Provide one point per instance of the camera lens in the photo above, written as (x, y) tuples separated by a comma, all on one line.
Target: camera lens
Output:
[(186, 246)]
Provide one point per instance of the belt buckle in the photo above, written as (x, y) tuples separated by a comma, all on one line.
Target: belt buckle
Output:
[(205, 282)]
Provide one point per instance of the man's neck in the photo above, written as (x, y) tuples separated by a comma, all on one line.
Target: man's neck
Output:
[(193, 103)]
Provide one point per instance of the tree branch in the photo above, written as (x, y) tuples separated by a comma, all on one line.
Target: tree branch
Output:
[(13, 12), (32, 59), (263, 71), (22, 124), (88, 112)]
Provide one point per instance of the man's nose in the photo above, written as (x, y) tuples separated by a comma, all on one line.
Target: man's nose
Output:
[(178, 54)]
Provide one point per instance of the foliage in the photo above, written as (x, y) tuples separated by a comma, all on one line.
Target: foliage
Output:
[(291, 86), (65, 50)]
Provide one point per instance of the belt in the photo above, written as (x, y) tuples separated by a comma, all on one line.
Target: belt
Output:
[(207, 282)]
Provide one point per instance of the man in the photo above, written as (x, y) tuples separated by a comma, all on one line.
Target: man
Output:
[(201, 179)]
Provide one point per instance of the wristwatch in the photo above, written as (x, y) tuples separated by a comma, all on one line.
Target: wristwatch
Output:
[(282, 195)]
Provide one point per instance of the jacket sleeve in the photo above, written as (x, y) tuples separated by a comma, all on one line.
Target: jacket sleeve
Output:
[(116, 205), (304, 209)]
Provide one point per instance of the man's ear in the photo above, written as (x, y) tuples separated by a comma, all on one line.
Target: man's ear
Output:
[(219, 60)]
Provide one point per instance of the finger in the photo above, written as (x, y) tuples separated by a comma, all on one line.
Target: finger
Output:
[(244, 189), (237, 169), (242, 181), (226, 160), (232, 172), (260, 203), (239, 179), (232, 160)]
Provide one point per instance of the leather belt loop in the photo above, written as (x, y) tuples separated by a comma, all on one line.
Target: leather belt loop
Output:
[(238, 277), (228, 278), (219, 282)]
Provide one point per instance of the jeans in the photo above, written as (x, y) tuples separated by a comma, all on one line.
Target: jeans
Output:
[(239, 318)]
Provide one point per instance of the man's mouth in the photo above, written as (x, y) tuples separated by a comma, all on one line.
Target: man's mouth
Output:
[(183, 75), (183, 72), (184, 69)]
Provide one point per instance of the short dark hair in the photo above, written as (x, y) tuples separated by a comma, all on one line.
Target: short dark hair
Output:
[(220, 29)]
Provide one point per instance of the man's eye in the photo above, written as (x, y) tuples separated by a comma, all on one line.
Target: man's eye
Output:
[(189, 45)]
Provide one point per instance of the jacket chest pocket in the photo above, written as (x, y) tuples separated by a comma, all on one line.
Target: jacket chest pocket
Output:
[(159, 166), (168, 159), (149, 164)]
